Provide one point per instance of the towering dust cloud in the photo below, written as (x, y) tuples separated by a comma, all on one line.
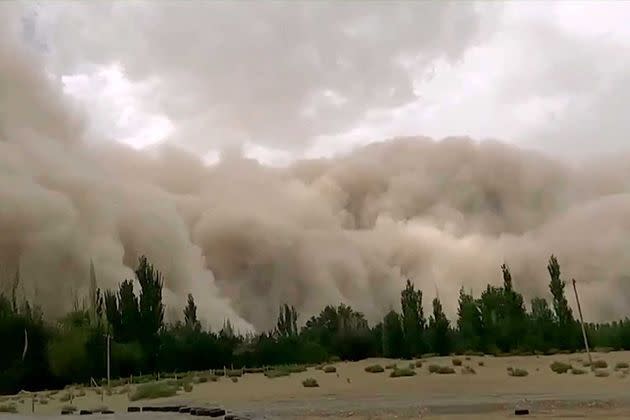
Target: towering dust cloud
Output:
[(244, 238)]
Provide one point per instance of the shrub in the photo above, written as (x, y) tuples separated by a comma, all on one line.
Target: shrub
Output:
[(622, 365), (481, 363), (234, 379), (560, 367), (467, 358), (8, 408), (600, 364), (467, 370), (519, 373), (577, 371), (434, 368), (401, 372), (418, 363), (330, 369), (295, 368), (153, 390), (457, 362), (310, 383), (188, 387), (445, 370), (254, 370), (65, 397), (391, 366), (276, 373), (236, 373), (602, 373), (43, 401), (374, 369), (68, 407)]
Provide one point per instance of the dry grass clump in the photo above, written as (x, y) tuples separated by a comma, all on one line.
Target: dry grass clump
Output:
[(310, 383), (391, 366), (402, 372), (374, 369), (457, 362), (68, 408), (441, 370), (254, 370), (188, 387), (481, 363), (560, 367), (602, 373), (236, 373), (517, 372), (600, 364), (234, 379), (418, 363), (577, 371), (153, 390), (467, 370), (622, 365), (65, 397), (330, 369), (8, 408)]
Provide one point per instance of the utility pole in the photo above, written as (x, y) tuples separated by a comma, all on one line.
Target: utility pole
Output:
[(108, 337), (588, 351)]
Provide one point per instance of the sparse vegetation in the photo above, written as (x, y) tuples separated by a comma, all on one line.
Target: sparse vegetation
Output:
[(402, 372), (418, 363), (310, 383), (188, 387), (234, 379), (560, 367), (622, 365), (600, 364), (236, 373), (467, 370), (65, 397), (330, 369), (481, 363), (441, 370), (578, 371), (602, 373), (153, 390), (374, 369), (276, 373), (390, 366), (456, 362)]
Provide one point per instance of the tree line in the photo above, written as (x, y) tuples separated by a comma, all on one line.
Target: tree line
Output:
[(73, 349)]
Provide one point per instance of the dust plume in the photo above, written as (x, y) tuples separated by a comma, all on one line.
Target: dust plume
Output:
[(244, 237)]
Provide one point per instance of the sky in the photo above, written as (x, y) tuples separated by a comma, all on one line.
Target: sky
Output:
[(283, 81)]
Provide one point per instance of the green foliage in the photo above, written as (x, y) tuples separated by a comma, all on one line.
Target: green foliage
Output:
[(393, 335), (287, 321), (560, 367), (310, 383), (190, 314), (374, 369), (413, 322), (402, 372), (153, 390), (439, 330), (566, 327)]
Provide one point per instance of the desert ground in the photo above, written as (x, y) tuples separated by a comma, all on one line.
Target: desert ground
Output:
[(350, 392)]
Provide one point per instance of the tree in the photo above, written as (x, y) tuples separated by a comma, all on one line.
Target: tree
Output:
[(190, 315), (541, 325), (514, 313), (565, 322), (93, 293), (393, 336), (112, 313), (439, 330), (413, 321), (287, 321), (151, 308), (469, 322), (130, 327)]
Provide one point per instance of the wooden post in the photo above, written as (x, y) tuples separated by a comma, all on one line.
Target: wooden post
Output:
[(588, 350)]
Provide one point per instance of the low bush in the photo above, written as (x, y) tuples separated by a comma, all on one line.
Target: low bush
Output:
[(188, 387), (456, 362), (234, 379), (467, 370), (276, 373), (519, 373), (68, 407), (600, 364), (391, 366), (374, 369), (236, 373), (65, 397), (418, 363), (560, 367), (402, 372), (153, 390), (310, 383), (434, 368), (481, 363), (577, 371), (330, 369), (622, 365), (8, 408), (254, 370), (602, 373)]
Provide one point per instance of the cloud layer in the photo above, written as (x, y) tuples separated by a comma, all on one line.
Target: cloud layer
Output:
[(244, 237)]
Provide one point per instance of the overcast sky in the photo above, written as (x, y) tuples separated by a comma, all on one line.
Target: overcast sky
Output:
[(288, 80)]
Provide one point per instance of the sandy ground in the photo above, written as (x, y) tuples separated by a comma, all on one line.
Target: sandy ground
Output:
[(353, 393)]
